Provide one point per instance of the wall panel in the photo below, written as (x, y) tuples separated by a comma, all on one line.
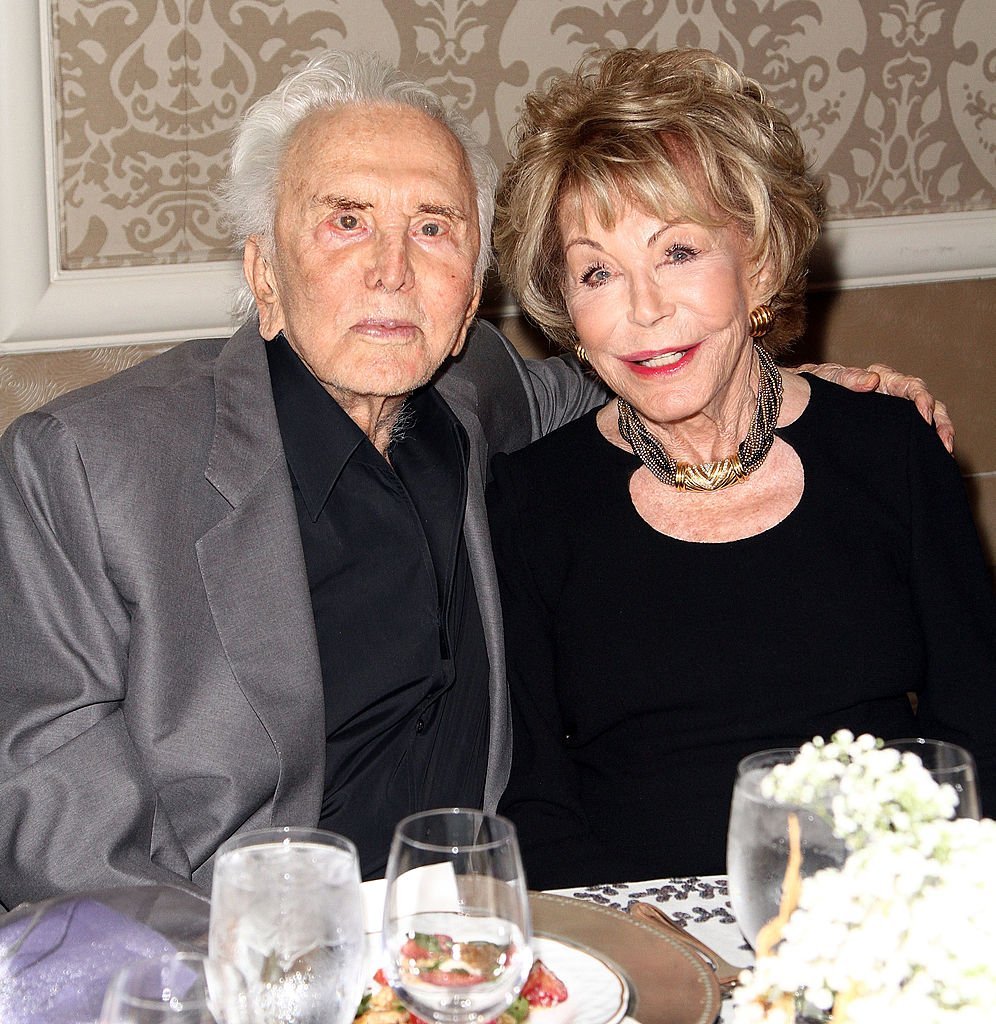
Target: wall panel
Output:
[(115, 117)]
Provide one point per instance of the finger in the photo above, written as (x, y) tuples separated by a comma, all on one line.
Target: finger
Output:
[(902, 385), (916, 391), (914, 388), (848, 376), (944, 425), (856, 379)]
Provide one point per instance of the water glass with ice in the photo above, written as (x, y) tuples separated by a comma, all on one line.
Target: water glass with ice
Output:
[(286, 909), (757, 847)]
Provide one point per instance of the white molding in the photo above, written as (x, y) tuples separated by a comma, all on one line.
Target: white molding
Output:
[(906, 250), (44, 309)]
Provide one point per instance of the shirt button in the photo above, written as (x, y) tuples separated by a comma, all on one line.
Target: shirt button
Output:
[(420, 726)]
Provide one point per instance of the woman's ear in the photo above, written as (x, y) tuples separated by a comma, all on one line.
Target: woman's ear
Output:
[(762, 280)]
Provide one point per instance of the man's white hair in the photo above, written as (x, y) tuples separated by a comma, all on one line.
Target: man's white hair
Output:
[(248, 195)]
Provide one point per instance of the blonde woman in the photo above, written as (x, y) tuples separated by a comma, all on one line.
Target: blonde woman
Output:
[(725, 557)]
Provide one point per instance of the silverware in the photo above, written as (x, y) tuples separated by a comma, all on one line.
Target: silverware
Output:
[(726, 973)]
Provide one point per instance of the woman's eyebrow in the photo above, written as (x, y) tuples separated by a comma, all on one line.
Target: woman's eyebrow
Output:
[(655, 237), (582, 240)]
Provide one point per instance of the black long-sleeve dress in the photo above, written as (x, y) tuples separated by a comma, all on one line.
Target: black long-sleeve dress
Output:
[(642, 668)]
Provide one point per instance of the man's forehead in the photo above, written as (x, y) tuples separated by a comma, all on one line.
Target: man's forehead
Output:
[(384, 143), (391, 159)]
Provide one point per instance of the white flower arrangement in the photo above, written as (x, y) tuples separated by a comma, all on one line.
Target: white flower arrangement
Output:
[(905, 931), (867, 790)]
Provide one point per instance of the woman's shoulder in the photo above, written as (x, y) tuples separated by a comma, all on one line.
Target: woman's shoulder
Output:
[(865, 417), (878, 438)]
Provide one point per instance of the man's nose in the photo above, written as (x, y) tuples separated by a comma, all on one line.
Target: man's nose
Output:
[(648, 302), (390, 266)]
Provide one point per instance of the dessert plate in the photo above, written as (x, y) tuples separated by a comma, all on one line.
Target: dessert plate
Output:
[(597, 992)]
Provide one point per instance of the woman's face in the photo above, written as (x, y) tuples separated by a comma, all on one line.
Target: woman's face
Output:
[(661, 309)]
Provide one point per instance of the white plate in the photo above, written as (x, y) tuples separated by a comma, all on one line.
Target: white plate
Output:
[(596, 992)]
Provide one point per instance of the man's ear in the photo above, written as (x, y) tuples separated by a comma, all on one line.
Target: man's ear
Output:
[(259, 275), (467, 321)]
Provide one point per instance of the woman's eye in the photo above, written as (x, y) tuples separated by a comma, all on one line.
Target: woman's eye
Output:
[(679, 253), (347, 221), (595, 275)]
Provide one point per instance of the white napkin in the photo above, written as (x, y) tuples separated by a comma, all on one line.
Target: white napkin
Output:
[(431, 887)]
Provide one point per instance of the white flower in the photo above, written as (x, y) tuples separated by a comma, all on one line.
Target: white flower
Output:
[(905, 930), (861, 787)]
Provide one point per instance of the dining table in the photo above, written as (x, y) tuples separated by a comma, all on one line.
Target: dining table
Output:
[(701, 906), (57, 956)]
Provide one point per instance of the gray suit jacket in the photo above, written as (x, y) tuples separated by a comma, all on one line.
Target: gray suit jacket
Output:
[(160, 688)]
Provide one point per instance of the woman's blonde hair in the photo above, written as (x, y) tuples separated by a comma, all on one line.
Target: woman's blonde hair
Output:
[(680, 134)]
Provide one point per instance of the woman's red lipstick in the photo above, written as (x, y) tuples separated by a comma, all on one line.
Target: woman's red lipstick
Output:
[(636, 361)]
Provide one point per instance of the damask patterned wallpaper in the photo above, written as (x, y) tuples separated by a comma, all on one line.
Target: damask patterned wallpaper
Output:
[(895, 99)]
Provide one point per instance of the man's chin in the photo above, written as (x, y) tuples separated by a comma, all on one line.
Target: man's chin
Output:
[(388, 382)]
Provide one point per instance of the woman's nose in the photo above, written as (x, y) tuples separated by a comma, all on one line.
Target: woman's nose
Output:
[(647, 302)]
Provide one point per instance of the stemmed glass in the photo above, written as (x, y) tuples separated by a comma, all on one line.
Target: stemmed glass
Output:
[(456, 916), (757, 847), (186, 988), (286, 909), (948, 764)]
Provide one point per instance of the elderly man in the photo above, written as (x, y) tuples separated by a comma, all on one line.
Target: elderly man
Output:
[(251, 584)]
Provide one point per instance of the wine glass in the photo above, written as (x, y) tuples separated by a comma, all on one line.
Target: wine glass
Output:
[(758, 842), (456, 916), (286, 909), (186, 988), (948, 764)]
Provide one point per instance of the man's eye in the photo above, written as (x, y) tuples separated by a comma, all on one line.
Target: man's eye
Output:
[(432, 229), (347, 221)]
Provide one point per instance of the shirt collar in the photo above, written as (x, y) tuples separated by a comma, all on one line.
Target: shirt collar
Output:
[(319, 437)]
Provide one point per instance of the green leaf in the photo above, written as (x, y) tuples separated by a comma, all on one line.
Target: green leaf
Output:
[(519, 1009), (428, 942)]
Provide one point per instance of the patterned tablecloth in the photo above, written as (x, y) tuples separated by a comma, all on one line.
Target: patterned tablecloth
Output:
[(702, 905)]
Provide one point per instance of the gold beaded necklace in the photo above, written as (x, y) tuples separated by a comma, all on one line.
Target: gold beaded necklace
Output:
[(711, 476)]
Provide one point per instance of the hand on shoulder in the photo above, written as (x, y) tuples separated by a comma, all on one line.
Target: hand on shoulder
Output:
[(888, 381)]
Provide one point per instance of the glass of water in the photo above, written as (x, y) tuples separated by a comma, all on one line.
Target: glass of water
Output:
[(757, 846), (186, 988), (456, 917), (948, 764), (286, 910)]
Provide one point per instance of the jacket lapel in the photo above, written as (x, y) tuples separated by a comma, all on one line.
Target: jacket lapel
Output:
[(496, 418), (254, 575)]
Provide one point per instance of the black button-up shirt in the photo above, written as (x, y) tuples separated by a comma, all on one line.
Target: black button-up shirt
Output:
[(404, 663)]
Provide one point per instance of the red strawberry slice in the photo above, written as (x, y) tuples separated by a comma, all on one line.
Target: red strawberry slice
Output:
[(543, 987)]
